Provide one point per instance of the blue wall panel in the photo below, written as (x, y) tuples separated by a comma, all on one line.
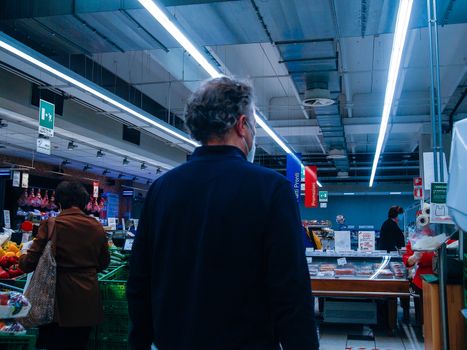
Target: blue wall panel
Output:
[(358, 210)]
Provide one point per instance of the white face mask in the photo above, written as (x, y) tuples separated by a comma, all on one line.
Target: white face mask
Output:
[(251, 152)]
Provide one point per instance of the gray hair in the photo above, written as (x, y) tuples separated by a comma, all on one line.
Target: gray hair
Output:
[(216, 106)]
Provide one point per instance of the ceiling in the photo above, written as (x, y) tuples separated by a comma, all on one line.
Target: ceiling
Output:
[(283, 47)]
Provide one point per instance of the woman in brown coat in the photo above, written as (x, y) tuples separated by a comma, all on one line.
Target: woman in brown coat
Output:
[(81, 252)]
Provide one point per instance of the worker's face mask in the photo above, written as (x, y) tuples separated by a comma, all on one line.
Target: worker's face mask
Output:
[(251, 152)]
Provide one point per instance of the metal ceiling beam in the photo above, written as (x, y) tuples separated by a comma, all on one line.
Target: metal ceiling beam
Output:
[(14, 9)]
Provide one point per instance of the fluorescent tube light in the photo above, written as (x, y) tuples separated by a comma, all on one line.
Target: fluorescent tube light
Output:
[(402, 23), (94, 92), (395, 193), (160, 16), (349, 193)]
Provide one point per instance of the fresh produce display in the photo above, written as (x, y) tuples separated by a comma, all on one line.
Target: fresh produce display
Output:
[(11, 327), (9, 258), (13, 305)]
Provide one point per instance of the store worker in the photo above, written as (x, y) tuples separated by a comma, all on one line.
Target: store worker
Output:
[(218, 261), (81, 251), (391, 236)]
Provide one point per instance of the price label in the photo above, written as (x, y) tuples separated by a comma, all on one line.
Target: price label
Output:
[(6, 219), (308, 251), (341, 261), (95, 189), (128, 244), (112, 222), (16, 178), (24, 180)]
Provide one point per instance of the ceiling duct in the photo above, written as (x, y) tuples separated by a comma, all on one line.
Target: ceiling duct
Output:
[(337, 154), (317, 95)]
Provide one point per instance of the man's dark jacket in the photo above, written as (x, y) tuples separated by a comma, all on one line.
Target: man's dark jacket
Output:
[(218, 261)]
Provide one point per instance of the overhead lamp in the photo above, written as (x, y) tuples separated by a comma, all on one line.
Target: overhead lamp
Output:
[(402, 23), (3, 124), (143, 166), (87, 167), (148, 182), (162, 18), (159, 15), (125, 161), (65, 162), (100, 93), (158, 171), (120, 176), (105, 172), (71, 146), (134, 178), (100, 154)]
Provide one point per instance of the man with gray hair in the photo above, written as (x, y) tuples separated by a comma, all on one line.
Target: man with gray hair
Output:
[(218, 260)]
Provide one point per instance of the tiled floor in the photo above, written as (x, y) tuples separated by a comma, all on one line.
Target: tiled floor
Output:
[(340, 337), (358, 337)]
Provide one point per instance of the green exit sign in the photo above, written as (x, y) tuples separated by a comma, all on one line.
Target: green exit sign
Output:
[(323, 196), (46, 118)]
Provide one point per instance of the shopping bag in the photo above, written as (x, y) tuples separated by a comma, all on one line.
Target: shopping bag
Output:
[(41, 290)]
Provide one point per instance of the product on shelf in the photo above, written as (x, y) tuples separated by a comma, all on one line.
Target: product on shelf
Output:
[(344, 271), (398, 269), (11, 327), (364, 273), (385, 273), (325, 274), (314, 269), (13, 305), (327, 267)]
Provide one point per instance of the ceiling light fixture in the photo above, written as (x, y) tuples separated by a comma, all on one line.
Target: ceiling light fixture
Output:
[(87, 167), (65, 162), (143, 166), (158, 171), (148, 182), (120, 176), (402, 23), (71, 146), (159, 15), (134, 178), (125, 161), (96, 91), (105, 172), (100, 154), (162, 18)]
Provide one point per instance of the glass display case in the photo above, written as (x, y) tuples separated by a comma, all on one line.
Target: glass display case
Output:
[(355, 265)]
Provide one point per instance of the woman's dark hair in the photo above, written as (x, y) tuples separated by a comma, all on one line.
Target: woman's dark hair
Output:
[(394, 211), (71, 194), (215, 108)]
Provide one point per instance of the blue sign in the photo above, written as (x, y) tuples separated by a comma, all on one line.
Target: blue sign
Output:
[(294, 173)]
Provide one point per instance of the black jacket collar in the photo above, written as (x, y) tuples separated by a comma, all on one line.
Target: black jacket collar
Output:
[(208, 152)]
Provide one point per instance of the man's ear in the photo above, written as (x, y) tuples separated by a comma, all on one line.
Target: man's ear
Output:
[(241, 126)]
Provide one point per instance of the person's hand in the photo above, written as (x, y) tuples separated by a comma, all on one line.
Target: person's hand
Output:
[(25, 247), (415, 258)]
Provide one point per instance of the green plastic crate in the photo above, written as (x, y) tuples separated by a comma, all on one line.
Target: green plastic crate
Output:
[(107, 345), (115, 329), (112, 290), (116, 308), (17, 342)]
